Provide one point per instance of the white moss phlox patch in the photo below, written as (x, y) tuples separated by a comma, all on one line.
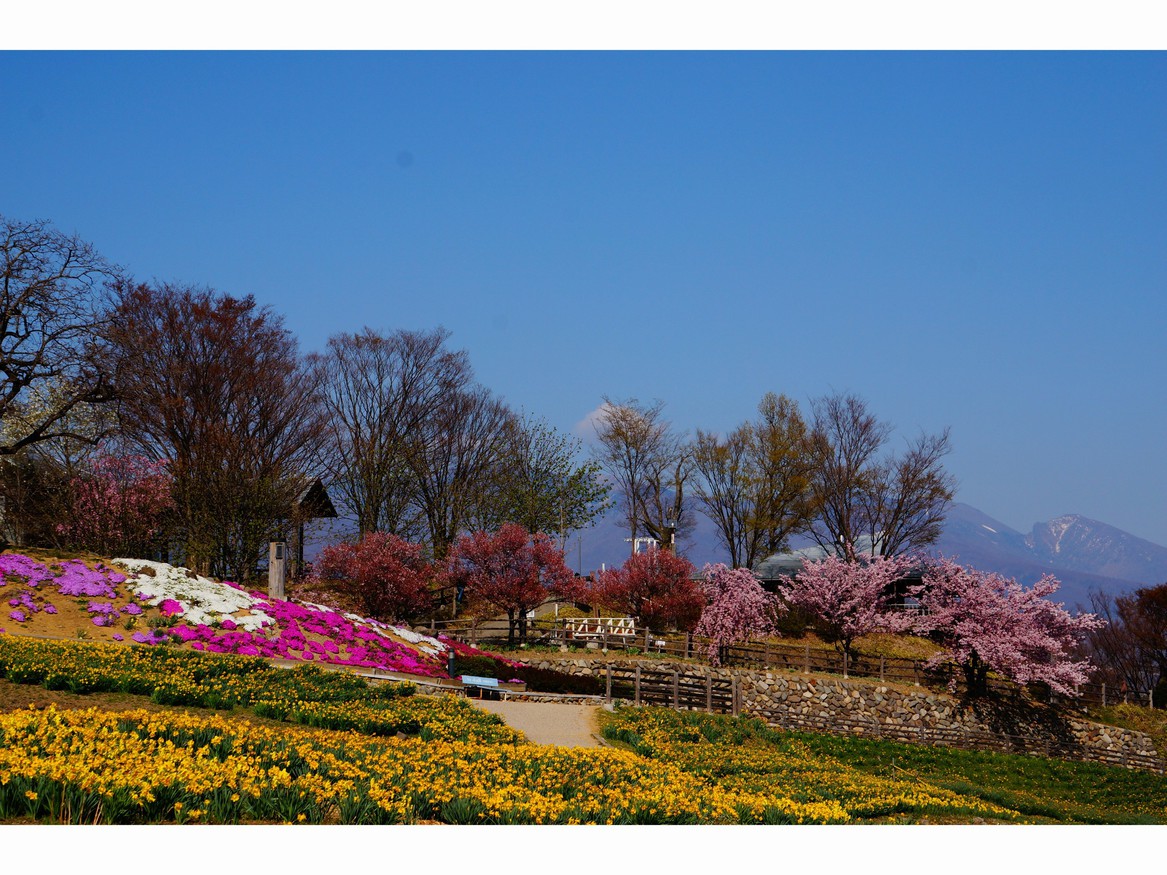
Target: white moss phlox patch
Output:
[(204, 601)]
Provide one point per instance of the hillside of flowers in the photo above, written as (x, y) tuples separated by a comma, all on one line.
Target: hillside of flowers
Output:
[(134, 600), (375, 754), (351, 751)]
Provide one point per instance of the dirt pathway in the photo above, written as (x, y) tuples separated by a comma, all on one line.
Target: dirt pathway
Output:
[(564, 724)]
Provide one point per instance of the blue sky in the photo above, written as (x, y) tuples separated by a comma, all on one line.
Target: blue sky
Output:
[(974, 240)]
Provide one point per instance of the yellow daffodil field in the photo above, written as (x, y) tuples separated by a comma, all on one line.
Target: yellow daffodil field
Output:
[(274, 745)]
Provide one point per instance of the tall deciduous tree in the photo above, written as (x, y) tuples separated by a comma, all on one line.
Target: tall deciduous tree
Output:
[(452, 455), (850, 598), (987, 622), (650, 467), (214, 385), (755, 483), (538, 483), (893, 503), (656, 587), (379, 390), (54, 312), (738, 609), (389, 575), (511, 570)]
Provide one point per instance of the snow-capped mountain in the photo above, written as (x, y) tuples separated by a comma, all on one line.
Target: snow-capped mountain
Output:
[(1082, 553)]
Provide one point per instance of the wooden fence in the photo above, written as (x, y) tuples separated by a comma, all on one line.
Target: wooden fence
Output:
[(673, 689), (782, 656)]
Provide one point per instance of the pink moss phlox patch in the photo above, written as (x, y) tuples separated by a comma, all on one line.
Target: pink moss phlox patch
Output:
[(170, 608)]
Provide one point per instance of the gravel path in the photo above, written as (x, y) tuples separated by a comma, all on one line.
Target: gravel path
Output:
[(568, 725)]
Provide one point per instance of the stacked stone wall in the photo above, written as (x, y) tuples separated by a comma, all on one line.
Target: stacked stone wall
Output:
[(870, 709)]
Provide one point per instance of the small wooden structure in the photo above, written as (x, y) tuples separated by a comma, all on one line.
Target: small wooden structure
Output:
[(312, 503)]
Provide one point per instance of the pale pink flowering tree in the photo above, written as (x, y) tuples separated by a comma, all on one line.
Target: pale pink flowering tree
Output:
[(739, 608), (987, 622), (849, 599), (119, 506)]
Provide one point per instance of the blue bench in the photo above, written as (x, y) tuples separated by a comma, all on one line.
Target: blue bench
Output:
[(484, 686)]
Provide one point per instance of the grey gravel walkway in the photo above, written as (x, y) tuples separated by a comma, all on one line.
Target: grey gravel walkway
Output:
[(568, 725)]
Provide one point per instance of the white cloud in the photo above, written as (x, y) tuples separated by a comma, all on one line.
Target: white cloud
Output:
[(586, 427)]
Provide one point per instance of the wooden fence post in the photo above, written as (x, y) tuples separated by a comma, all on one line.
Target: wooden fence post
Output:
[(608, 690), (637, 685), (709, 691), (676, 692), (1104, 694), (688, 645), (766, 654), (844, 665), (881, 669), (735, 691), (806, 658)]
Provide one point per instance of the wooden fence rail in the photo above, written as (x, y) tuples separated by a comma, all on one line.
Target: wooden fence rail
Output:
[(792, 657)]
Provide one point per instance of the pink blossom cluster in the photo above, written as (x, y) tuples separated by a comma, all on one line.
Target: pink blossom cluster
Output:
[(739, 608), (850, 599), (117, 503), (987, 622)]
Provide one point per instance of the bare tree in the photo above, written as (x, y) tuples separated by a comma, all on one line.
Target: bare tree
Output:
[(379, 390), (894, 504), (727, 491), (54, 310), (452, 455), (1131, 649), (755, 483), (649, 466), (214, 386)]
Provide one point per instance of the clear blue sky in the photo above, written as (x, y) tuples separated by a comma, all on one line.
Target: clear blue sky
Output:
[(972, 240)]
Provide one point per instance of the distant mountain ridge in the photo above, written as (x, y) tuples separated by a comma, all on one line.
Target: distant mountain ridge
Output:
[(1084, 554)]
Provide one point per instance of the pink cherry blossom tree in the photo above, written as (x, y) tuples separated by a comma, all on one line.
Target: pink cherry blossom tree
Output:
[(513, 571), (849, 599), (987, 622), (388, 575), (739, 608), (118, 506)]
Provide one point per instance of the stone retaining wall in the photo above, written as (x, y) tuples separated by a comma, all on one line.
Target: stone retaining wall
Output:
[(867, 708)]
